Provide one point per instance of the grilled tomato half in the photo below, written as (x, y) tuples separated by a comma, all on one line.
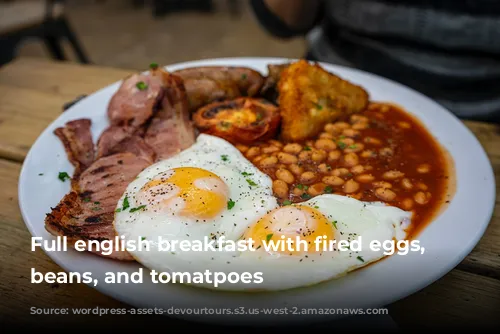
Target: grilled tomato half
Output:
[(240, 121)]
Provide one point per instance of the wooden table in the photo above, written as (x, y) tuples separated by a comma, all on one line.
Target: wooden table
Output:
[(32, 92)]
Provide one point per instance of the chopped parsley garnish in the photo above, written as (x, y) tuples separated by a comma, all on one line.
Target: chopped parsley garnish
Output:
[(305, 196), (224, 157), (141, 85), (342, 137), (86, 199), (230, 204), (126, 204), (138, 208), (349, 175), (259, 116), (352, 146), (307, 148), (268, 237), (334, 223), (300, 186), (96, 208), (243, 76), (342, 145), (63, 176), (143, 238), (360, 259), (328, 189), (97, 203), (251, 183), (316, 207), (246, 174), (318, 106), (153, 66), (287, 202), (118, 210)]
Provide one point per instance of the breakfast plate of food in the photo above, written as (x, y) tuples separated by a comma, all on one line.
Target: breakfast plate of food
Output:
[(264, 149)]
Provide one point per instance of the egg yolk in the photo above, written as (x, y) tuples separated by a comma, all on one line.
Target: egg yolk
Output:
[(187, 191), (292, 224)]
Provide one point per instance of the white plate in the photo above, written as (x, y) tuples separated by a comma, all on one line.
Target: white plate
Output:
[(447, 240)]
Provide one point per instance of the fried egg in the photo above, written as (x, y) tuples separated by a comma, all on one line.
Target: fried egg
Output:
[(329, 219), (210, 191)]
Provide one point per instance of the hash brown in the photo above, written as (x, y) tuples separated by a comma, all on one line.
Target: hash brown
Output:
[(310, 97)]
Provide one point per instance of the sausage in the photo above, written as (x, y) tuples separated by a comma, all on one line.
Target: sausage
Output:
[(270, 88), (215, 83)]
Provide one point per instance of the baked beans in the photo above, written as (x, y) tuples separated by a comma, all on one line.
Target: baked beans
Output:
[(280, 189), (385, 194), (242, 148), (351, 133), (305, 156), (285, 175), (351, 186), (324, 168), (296, 169), (368, 154), (333, 180), (287, 158), (375, 155), (382, 184), (268, 162), (318, 156), (392, 175), (358, 169), (406, 184), (292, 148), (252, 152), (356, 147), (422, 198), (424, 168), (351, 159), (407, 204), (326, 135), (360, 126), (276, 143), (325, 144), (316, 189), (365, 178), (307, 177), (334, 156), (270, 149), (341, 172)]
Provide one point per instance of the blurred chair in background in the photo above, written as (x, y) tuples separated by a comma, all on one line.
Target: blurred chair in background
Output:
[(163, 7), (45, 20)]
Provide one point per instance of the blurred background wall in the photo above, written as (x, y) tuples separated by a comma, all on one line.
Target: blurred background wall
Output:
[(133, 33)]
